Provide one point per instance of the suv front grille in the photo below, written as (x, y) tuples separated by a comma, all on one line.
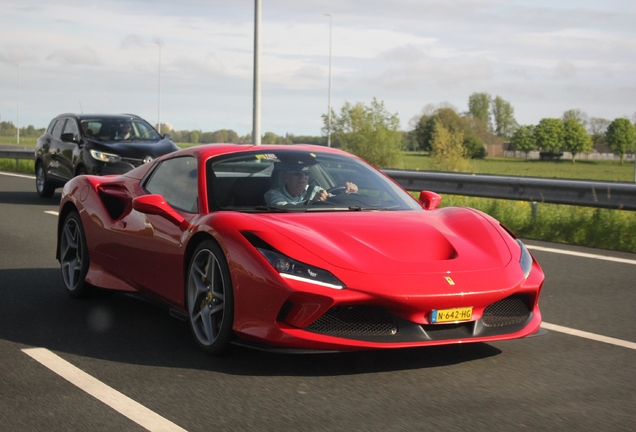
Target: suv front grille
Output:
[(134, 162)]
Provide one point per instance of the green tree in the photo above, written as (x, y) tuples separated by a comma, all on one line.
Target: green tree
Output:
[(195, 137), (223, 136), (597, 127), (479, 107), (575, 137), (549, 135), (474, 147), (621, 136), (370, 132), (455, 123), (504, 117), (448, 149), (524, 139), (577, 115), (7, 129)]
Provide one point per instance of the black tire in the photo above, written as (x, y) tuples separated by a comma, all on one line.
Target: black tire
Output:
[(44, 188), (210, 298), (73, 254)]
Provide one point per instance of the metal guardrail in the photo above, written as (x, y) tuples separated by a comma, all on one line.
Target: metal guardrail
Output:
[(17, 154), (611, 195)]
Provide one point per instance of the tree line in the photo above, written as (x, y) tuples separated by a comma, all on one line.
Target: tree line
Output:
[(8, 129), (450, 136), (576, 133), (453, 137)]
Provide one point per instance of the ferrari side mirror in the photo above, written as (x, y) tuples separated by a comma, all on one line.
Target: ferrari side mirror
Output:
[(429, 200), (156, 205)]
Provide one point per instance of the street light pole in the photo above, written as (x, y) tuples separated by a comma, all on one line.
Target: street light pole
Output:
[(256, 123), (158, 42), (18, 107), (329, 100)]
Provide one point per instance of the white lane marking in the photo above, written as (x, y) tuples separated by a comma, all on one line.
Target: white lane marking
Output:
[(582, 254), (17, 175), (586, 335), (111, 397), (51, 212)]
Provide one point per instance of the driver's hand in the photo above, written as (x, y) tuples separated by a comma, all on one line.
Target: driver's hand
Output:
[(321, 195), (350, 188)]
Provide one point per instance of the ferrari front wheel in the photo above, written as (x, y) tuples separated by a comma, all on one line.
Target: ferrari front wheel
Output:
[(73, 255), (209, 298)]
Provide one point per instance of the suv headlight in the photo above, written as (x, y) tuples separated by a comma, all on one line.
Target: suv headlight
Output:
[(105, 157)]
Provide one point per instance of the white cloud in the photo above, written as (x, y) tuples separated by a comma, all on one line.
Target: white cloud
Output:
[(75, 57), (407, 53)]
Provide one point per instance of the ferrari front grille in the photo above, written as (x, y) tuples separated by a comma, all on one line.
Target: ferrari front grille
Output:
[(509, 311), (354, 321)]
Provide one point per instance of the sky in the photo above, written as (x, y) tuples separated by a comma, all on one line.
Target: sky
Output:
[(191, 61)]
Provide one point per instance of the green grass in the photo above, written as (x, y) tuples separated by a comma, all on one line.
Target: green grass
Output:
[(23, 166), (586, 170)]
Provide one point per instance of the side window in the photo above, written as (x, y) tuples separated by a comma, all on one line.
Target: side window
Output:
[(176, 180), (71, 127), (51, 126), (57, 129)]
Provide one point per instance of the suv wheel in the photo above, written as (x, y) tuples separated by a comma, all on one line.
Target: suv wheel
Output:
[(44, 188)]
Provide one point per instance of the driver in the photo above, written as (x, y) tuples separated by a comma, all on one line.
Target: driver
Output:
[(123, 131), (296, 190)]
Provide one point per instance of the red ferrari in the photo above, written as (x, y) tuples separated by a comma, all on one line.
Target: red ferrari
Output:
[(296, 247)]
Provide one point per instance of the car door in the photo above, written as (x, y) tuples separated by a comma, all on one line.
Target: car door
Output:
[(68, 146), (150, 246), (54, 145)]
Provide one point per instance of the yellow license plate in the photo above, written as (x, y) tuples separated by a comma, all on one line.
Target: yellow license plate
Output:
[(451, 315)]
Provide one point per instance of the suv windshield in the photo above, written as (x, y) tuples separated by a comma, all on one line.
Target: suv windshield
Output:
[(293, 180), (127, 129)]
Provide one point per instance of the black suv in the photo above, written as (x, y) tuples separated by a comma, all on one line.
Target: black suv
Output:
[(76, 144)]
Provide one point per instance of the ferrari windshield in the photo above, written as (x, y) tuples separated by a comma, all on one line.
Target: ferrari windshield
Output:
[(295, 180)]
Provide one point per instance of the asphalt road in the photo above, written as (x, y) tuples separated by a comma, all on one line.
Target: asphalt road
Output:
[(553, 382)]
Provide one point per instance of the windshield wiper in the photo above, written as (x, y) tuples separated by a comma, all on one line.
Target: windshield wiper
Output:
[(350, 208), (253, 209)]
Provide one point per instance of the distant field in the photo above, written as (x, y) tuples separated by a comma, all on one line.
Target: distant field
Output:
[(587, 170), (24, 141)]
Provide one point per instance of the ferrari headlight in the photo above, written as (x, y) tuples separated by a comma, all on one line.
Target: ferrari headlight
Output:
[(105, 157), (291, 269), (526, 259)]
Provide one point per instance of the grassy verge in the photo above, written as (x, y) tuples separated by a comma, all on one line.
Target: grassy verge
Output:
[(23, 166)]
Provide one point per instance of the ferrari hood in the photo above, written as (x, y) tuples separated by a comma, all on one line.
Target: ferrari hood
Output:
[(451, 239)]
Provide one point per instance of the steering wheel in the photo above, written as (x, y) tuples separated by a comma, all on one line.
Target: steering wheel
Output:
[(337, 190)]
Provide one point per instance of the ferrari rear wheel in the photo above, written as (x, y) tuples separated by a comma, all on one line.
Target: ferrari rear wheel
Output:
[(73, 255), (209, 298)]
